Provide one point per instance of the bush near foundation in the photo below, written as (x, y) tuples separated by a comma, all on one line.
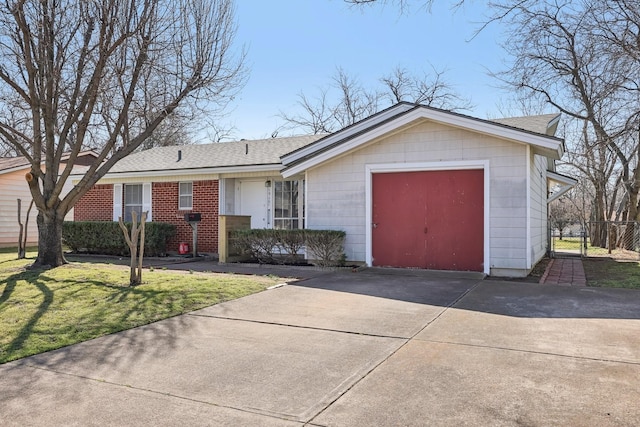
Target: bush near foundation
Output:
[(326, 246), (101, 237), (272, 246)]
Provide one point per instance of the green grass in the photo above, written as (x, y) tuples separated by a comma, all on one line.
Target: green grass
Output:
[(41, 310), (567, 243), (610, 273)]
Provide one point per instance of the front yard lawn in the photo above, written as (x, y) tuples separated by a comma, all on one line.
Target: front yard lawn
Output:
[(45, 310)]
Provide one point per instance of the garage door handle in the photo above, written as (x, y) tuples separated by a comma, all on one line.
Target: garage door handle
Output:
[(425, 230)]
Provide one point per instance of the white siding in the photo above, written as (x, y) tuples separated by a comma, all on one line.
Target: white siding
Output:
[(117, 201), (13, 186), (538, 208), (336, 190)]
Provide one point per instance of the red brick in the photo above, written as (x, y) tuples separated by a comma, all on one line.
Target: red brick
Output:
[(205, 201), (97, 205)]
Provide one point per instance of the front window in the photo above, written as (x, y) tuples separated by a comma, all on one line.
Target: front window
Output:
[(132, 200), (185, 195), (287, 210)]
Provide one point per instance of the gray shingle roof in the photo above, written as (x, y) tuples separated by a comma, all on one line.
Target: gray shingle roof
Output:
[(539, 124), (225, 154)]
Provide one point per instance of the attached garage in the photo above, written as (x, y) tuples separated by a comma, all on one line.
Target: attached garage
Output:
[(428, 219), (418, 187)]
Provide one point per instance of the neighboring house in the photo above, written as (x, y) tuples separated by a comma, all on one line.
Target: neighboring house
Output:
[(13, 186), (412, 186)]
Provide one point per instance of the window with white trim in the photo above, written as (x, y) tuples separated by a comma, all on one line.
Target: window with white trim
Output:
[(132, 200), (287, 205), (185, 195)]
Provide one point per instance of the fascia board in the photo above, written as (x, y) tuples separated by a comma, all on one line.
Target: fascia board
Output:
[(566, 184), (196, 171), (15, 169), (493, 129), (561, 179), (550, 146), (346, 133)]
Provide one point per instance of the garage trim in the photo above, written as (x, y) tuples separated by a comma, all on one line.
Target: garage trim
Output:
[(370, 169)]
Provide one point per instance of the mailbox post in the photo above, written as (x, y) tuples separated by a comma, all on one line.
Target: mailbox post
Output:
[(193, 219)]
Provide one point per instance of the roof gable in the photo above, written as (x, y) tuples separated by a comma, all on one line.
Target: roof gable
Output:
[(404, 115)]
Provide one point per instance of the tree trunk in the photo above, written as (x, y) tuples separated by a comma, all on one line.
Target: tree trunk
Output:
[(599, 230), (21, 249), (49, 240)]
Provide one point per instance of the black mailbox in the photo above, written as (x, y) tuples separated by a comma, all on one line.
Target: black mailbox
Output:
[(193, 217)]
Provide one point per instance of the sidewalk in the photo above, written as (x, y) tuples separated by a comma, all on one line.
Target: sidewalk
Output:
[(564, 272), (208, 264)]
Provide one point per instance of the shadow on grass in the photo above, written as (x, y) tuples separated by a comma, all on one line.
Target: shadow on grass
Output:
[(6, 261), (33, 278), (86, 308)]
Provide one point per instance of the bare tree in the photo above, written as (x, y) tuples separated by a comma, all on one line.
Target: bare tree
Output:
[(565, 55), (103, 74), (135, 241), (346, 101), (428, 89), (23, 229)]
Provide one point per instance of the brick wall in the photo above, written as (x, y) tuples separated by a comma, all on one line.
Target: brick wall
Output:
[(164, 196), (95, 205)]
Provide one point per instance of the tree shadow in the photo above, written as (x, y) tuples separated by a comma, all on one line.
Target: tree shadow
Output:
[(33, 278), (6, 261), (92, 321)]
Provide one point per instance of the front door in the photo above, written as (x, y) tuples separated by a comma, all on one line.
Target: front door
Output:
[(253, 201), (429, 219)]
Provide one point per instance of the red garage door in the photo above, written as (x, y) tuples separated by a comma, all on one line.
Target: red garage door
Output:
[(429, 219)]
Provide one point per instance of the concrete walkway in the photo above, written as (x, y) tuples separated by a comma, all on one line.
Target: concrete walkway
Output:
[(353, 349), (564, 272)]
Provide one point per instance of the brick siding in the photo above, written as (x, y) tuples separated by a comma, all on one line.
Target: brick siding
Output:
[(95, 205), (205, 201)]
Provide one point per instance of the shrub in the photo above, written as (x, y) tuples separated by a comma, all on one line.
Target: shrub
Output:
[(102, 237), (255, 243), (326, 246), (289, 243), (283, 246)]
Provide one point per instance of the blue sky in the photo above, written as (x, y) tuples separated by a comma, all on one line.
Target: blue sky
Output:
[(296, 46)]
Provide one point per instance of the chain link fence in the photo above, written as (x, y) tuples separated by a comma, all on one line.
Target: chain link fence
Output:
[(568, 241), (615, 239)]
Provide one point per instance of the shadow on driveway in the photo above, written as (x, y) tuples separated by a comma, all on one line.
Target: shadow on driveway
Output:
[(517, 299)]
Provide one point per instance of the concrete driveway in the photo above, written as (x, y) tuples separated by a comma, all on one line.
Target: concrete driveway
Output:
[(354, 349)]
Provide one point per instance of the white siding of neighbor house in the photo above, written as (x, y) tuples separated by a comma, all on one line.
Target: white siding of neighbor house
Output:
[(538, 228), (13, 186), (336, 190)]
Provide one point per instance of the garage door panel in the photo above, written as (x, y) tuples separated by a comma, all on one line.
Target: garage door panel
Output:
[(429, 219)]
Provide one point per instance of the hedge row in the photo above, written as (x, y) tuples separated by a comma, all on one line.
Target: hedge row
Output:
[(107, 238), (272, 246)]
